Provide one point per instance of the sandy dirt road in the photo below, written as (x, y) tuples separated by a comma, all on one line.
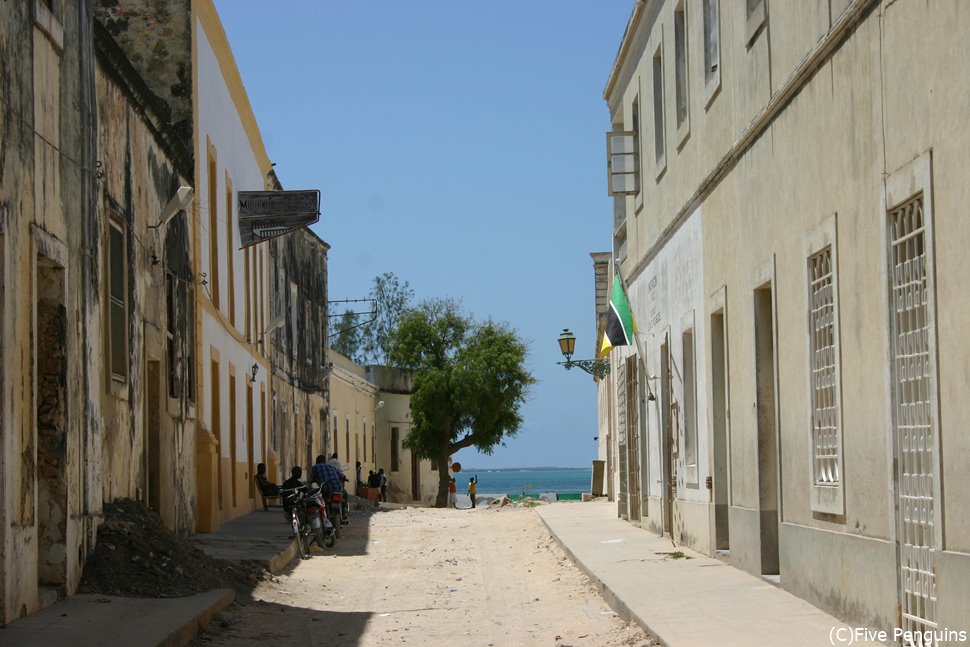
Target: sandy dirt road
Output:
[(418, 576)]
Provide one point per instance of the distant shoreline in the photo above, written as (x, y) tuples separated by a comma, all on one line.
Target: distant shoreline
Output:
[(522, 469)]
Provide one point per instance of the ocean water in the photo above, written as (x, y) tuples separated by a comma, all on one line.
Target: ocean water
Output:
[(534, 481)]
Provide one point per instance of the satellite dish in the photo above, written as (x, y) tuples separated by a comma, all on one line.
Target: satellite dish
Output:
[(456, 467)]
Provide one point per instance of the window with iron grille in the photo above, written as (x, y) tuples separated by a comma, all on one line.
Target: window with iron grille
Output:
[(916, 435), (117, 300), (824, 374)]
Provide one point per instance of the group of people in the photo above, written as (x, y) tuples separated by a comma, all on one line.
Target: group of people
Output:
[(453, 491), (326, 473), (376, 480), (330, 477)]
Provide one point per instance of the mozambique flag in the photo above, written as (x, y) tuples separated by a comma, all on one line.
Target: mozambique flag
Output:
[(620, 324)]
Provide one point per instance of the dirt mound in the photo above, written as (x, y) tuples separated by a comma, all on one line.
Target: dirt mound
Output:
[(137, 556)]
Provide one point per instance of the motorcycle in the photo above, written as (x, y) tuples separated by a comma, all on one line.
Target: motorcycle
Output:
[(324, 532)]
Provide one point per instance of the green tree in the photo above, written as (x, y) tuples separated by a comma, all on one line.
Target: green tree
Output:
[(347, 336), (469, 382), (391, 299)]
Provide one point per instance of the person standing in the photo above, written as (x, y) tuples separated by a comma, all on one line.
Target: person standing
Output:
[(383, 482), (472, 489), (358, 483), (452, 493)]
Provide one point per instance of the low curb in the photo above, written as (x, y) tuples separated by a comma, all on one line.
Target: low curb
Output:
[(611, 599), (187, 632)]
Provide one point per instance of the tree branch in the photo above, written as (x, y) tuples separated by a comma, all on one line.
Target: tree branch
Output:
[(467, 441)]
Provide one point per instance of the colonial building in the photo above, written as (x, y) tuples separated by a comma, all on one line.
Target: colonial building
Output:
[(371, 414), (409, 479), (300, 362), (788, 223), (96, 377)]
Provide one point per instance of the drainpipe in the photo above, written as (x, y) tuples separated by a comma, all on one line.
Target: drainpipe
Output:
[(90, 424)]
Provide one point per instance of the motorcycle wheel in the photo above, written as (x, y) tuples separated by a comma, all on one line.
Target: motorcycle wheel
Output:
[(305, 545), (318, 536), (331, 539), (301, 539), (335, 520)]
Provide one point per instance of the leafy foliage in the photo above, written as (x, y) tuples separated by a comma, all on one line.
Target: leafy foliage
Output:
[(347, 340), (391, 298), (469, 381), (363, 336)]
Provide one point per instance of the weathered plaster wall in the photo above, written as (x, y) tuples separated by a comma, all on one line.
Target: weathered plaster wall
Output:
[(156, 37), (138, 175), (44, 152)]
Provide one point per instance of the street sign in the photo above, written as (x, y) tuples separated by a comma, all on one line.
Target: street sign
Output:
[(268, 214)]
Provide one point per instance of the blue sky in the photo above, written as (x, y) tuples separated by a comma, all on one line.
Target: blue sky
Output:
[(460, 145)]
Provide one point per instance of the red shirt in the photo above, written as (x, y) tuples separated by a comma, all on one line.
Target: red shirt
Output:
[(452, 487)]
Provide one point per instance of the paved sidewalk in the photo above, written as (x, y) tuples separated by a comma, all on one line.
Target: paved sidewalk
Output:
[(683, 602), (109, 621), (262, 536)]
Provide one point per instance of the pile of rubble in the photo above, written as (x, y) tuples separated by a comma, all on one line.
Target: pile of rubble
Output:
[(137, 556)]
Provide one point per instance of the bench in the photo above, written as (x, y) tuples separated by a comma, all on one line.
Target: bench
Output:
[(269, 500)]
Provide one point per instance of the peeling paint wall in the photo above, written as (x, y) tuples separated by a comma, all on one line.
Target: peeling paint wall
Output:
[(298, 279), (156, 37), (45, 157), (79, 144), (137, 178)]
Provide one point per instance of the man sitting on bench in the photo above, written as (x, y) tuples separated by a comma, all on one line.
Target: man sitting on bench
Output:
[(267, 489)]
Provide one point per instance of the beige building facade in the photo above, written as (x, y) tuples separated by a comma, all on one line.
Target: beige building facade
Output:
[(137, 359), (789, 228), (96, 397), (371, 417)]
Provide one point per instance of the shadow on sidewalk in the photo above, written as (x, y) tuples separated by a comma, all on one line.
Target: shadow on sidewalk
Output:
[(269, 624)]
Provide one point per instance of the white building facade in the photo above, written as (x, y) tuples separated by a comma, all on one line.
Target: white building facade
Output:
[(789, 225), (232, 304)]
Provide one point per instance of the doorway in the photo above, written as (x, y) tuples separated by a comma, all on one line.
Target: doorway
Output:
[(415, 478), (633, 436), (722, 443), (666, 424), (50, 383), (765, 380)]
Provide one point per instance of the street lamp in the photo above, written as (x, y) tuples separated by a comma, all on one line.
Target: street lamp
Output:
[(596, 367)]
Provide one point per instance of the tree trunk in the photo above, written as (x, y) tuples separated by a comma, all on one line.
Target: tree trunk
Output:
[(444, 478)]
